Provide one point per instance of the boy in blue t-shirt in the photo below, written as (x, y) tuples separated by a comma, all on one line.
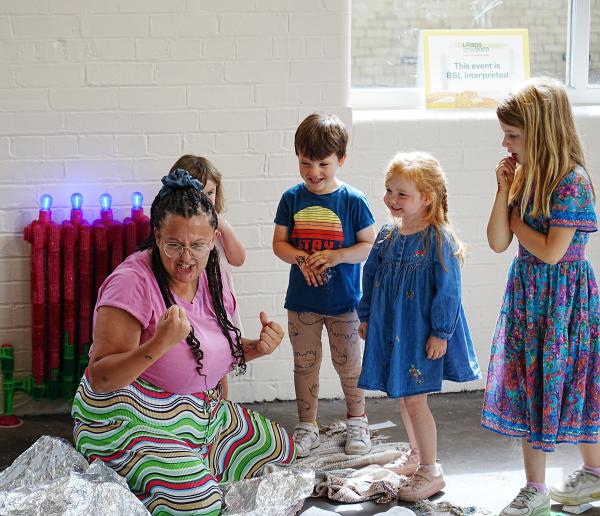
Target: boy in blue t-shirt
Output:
[(324, 229)]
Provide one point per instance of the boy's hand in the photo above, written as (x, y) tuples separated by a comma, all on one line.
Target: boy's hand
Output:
[(313, 278), (323, 260), (362, 330), (436, 348)]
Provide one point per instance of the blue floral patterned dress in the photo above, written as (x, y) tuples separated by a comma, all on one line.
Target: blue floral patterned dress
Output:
[(544, 376), (408, 295)]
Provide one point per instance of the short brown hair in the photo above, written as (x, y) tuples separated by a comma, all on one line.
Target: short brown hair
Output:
[(202, 170), (319, 136)]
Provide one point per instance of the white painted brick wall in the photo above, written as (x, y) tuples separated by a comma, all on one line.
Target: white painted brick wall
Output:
[(104, 96)]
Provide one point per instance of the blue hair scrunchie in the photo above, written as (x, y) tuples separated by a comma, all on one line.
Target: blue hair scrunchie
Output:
[(179, 179)]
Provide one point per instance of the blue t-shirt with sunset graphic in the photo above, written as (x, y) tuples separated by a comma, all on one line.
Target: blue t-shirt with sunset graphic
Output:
[(317, 222)]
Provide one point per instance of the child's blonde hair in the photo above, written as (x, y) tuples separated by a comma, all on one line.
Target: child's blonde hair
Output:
[(426, 173), (541, 109), (202, 170)]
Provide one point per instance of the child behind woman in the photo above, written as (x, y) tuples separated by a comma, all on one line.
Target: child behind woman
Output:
[(544, 376), (412, 318), (231, 250)]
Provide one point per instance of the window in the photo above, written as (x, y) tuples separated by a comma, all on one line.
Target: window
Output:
[(594, 68), (385, 40)]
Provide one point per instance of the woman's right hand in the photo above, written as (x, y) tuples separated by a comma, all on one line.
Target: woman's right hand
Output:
[(505, 173), (173, 326), (362, 330)]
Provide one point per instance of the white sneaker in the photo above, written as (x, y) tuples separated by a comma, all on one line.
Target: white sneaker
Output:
[(529, 502), (580, 487), (306, 438), (358, 439)]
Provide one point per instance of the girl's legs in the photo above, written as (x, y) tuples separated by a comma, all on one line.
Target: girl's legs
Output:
[(423, 428), (590, 454), (583, 485), (535, 464), (344, 342), (410, 432), (305, 329), (428, 479)]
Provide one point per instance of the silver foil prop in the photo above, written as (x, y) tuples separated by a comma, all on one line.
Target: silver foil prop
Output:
[(52, 479), (281, 491)]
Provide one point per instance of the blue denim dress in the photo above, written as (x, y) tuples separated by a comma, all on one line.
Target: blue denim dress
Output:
[(408, 295)]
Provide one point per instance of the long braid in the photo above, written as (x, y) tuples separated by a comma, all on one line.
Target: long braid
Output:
[(215, 287), (163, 284), (445, 204), (187, 203)]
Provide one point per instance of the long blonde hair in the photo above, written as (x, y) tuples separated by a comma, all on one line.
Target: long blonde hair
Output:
[(426, 173), (541, 109)]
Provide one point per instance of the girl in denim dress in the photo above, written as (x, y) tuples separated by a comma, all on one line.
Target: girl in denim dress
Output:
[(411, 314), (543, 382)]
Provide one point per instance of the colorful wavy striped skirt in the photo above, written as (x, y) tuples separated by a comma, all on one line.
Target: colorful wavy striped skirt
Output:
[(175, 449)]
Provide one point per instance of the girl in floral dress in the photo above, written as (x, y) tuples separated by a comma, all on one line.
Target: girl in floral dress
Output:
[(543, 380), (411, 314)]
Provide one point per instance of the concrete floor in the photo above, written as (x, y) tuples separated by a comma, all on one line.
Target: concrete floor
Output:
[(480, 467)]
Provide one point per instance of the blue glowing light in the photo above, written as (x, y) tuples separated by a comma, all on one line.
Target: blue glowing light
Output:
[(45, 202), (76, 201), (136, 200), (105, 201)]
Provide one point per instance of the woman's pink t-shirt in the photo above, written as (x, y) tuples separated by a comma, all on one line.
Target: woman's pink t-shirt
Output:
[(132, 287)]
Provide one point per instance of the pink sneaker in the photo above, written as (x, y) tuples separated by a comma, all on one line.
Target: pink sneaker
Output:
[(421, 486)]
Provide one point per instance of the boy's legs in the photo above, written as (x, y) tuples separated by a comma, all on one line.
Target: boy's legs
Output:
[(346, 357), (305, 329)]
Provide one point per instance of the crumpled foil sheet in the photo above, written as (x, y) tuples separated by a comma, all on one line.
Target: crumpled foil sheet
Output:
[(281, 491), (52, 479)]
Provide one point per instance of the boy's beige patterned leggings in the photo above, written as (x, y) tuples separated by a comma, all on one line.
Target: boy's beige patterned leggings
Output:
[(305, 329)]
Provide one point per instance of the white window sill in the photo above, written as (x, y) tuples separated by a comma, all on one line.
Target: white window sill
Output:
[(373, 115)]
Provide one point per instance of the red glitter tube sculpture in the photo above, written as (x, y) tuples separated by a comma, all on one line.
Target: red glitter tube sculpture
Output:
[(35, 234), (137, 227), (84, 280), (54, 308)]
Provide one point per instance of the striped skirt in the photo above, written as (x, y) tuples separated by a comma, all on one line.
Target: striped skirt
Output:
[(175, 449)]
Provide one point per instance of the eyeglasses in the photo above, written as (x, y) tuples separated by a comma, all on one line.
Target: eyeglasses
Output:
[(174, 250)]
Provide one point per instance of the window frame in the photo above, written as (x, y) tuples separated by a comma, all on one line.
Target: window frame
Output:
[(576, 74)]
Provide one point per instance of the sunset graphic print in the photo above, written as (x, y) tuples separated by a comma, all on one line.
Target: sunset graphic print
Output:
[(317, 228)]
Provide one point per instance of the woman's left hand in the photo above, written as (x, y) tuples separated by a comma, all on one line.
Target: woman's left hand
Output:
[(436, 347), (271, 335)]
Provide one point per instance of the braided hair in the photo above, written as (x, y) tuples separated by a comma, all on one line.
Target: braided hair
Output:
[(183, 197)]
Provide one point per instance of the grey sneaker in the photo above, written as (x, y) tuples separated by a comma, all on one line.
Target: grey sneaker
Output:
[(580, 487), (529, 502), (358, 439), (306, 437)]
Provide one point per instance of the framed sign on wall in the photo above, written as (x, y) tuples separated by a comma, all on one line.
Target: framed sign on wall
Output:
[(473, 68)]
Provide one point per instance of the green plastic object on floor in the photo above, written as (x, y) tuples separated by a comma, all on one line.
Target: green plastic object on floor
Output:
[(7, 367)]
